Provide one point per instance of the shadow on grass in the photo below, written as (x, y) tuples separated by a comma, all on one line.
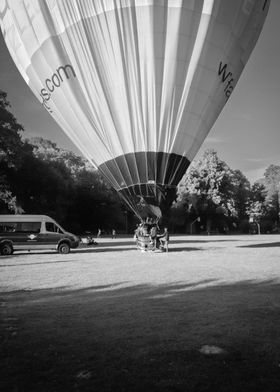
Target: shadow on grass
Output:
[(185, 249), (142, 338), (174, 240), (74, 251), (103, 249), (188, 241), (262, 245)]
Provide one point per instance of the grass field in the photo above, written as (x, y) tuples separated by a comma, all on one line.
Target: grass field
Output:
[(202, 317)]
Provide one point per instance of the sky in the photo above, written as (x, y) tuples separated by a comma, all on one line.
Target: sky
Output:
[(247, 133)]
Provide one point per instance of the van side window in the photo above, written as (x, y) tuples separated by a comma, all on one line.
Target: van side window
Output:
[(52, 227), (28, 227), (8, 227)]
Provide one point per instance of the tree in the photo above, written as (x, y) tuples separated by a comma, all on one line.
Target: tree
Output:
[(10, 134), (43, 187), (256, 209), (47, 150), (12, 149), (96, 204), (208, 190), (7, 200), (241, 194), (89, 201), (272, 185)]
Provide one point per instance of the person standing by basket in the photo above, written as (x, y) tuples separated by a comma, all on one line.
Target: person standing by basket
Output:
[(164, 239)]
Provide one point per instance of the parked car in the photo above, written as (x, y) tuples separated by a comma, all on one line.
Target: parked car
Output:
[(32, 232)]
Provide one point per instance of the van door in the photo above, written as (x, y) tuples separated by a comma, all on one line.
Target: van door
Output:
[(26, 235), (52, 235)]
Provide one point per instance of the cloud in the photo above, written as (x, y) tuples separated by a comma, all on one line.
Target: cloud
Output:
[(261, 164), (214, 139), (257, 160), (255, 174), (268, 160)]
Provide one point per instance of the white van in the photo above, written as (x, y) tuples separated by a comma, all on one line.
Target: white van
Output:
[(30, 232)]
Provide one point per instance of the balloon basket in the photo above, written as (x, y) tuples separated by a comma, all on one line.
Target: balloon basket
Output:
[(145, 244)]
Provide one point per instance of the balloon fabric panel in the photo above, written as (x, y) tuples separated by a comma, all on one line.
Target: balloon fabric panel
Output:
[(135, 84)]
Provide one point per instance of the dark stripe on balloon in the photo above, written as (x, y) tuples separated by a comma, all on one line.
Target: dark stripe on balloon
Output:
[(146, 180), (149, 200), (141, 168)]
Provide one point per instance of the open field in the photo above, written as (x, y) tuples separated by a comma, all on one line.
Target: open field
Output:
[(110, 318)]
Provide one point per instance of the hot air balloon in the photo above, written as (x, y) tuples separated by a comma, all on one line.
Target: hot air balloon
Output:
[(135, 84)]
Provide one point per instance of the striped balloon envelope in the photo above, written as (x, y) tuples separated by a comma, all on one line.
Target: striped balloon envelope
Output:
[(135, 84)]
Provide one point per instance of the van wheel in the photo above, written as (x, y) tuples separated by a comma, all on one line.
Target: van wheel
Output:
[(64, 248), (6, 250)]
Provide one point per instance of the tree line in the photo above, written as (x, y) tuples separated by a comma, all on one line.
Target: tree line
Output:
[(212, 197), (38, 177)]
